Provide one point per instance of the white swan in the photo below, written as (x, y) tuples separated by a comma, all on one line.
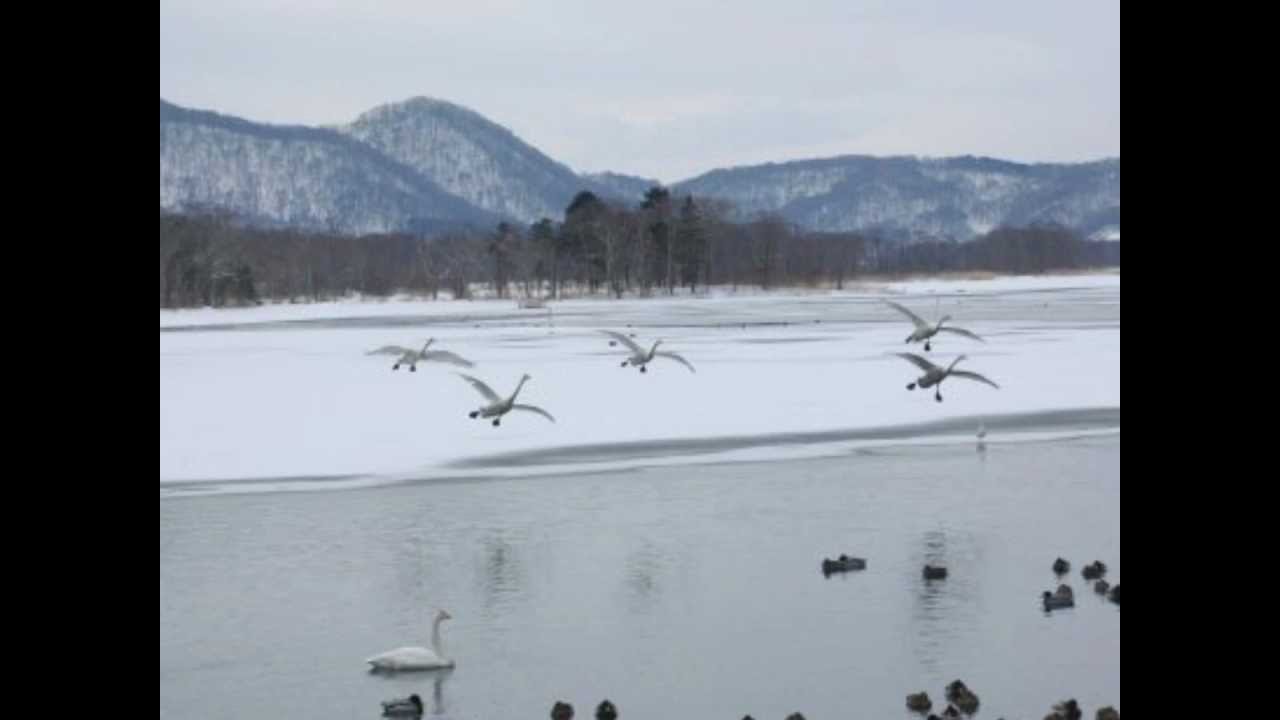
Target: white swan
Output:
[(415, 658), (639, 357), (924, 330), (413, 357), (498, 407), (934, 375)]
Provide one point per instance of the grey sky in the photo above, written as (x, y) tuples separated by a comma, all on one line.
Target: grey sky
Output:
[(671, 90)]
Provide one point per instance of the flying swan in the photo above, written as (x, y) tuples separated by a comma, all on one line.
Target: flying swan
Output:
[(640, 357), (498, 407), (924, 330), (934, 375), (413, 357)]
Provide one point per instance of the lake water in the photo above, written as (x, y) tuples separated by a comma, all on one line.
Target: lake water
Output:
[(676, 592)]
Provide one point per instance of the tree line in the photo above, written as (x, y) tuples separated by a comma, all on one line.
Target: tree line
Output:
[(663, 244)]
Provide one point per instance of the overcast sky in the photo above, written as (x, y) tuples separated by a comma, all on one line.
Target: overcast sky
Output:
[(672, 90)]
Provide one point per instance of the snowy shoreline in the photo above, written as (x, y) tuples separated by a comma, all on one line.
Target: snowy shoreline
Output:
[(288, 392), (401, 305), (694, 451)]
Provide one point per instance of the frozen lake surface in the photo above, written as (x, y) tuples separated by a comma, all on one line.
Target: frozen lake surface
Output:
[(286, 398)]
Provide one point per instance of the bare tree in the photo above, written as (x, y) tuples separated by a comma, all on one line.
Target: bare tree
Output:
[(657, 201), (691, 238), (213, 260), (544, 237), (768, 233), (501, 247)]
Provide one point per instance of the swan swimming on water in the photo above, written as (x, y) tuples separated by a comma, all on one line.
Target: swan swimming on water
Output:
[(413, 357), (641, 357), (498, 407), (415, 658), (924, 330), (934, 375)]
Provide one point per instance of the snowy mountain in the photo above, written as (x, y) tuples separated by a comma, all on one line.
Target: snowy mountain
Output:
[(957, 197), (628, 188), (298, 176), (480, 161), (426, 164)]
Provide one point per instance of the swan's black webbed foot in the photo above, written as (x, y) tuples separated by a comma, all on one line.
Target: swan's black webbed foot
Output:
[(473, 415), (624, 364), (926, 347), (643, 369), (938, 397), (413, 368), (912, 386), (496, 421), (396, 366)]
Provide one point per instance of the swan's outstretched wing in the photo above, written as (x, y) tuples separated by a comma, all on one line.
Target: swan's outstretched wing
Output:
[(973, 376), (390, 350), (446, 356), (916, 319), (533, 409), (677, 358), (960, 331), (485, 390), (625, 341), (918, 361)]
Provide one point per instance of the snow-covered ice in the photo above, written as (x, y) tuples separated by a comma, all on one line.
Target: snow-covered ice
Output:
[(286, 392)]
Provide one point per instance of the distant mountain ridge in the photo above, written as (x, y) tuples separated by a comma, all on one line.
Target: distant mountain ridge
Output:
[(426, 164), (480, 161), (292, 175), (950, 197)]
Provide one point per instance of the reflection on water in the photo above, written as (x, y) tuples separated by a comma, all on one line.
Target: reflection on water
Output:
[(644, 566), (675, 592), (400, 685), (437, 692), (500, 575), (931, 630)]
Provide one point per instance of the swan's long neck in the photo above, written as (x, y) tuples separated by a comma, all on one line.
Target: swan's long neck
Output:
[(427, 345), (435, 637), (517, 392), (653, 350), (953, 364), (944, 319)]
